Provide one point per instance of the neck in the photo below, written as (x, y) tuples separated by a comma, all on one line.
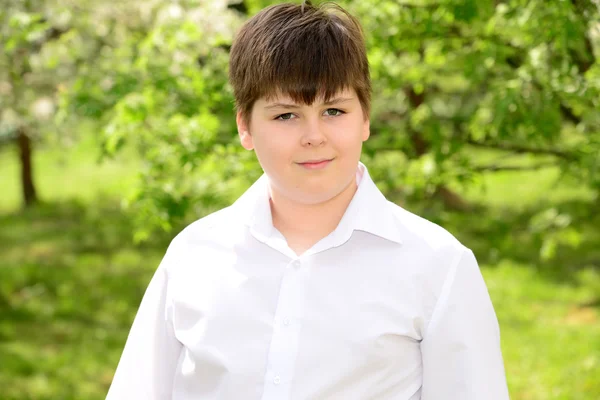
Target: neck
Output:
[(303, 225)]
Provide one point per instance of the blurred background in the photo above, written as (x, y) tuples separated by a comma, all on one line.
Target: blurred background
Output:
[(117, 129)]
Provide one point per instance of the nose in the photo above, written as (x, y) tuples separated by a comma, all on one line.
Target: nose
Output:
[(313, 134)]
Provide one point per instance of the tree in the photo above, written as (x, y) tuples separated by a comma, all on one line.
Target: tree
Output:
[(42, 44), (516, 76), (21, 36), (163, 89)]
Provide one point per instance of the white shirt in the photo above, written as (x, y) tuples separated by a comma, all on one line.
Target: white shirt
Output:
[(388, 306)]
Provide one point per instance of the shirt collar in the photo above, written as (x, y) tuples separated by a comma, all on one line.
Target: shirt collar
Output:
[(368, 211)]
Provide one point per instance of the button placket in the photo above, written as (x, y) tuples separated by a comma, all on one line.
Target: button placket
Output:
[(284, 341)]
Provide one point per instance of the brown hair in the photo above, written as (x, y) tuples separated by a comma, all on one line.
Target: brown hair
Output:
[(303, 51)]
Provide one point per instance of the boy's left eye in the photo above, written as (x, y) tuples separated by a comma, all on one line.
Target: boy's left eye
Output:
[(333, 112), (285, 117)]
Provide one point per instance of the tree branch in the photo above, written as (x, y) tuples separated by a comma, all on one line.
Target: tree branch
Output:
[(239, 6), (582, 7), (52, 33), (524, 149), (497, 168)]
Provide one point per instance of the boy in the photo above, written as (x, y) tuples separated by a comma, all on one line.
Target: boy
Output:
[(311, 285)]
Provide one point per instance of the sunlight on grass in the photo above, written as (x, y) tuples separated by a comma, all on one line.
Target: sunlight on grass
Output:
[(62, 173), (66, 311), (518, 190), (549, 354)]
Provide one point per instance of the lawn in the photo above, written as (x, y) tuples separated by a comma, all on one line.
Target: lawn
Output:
[(71, 279)]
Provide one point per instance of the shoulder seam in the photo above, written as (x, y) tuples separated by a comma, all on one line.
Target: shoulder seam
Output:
[(445, 291)]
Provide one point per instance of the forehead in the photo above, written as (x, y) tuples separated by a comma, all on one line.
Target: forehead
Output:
[(287, 98)]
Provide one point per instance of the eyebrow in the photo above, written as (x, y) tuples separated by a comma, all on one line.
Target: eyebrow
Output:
[(337, 100)]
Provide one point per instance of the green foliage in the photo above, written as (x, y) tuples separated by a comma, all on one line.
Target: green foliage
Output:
[(164, 91), (449, 77), (520, 76), (42, 46)]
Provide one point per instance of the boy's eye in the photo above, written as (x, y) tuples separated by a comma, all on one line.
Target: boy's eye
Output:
[(285, 117), (333, 112)]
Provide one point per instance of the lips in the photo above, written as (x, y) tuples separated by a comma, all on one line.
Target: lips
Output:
[(316, 163)]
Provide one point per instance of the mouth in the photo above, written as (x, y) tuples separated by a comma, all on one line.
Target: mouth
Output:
[(316, 164)]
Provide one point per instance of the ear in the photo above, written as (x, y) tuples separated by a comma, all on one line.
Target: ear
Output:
[(366, 129), (244, 132)]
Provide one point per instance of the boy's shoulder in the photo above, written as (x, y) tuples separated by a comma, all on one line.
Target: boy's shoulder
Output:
[(422, 234), (221, 222), (430, 251)]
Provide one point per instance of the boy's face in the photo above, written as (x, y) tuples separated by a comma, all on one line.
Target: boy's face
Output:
[(309, 152)]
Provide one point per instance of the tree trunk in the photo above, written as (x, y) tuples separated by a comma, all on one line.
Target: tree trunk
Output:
[(420, 145), (25, 151)]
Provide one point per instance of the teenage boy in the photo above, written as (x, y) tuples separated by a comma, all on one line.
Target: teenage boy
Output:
[(311, 286)]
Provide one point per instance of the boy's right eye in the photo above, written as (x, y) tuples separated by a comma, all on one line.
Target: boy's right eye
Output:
[(285, 117)]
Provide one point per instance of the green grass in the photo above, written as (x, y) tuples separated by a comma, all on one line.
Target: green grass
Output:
[(71, 279), (67, 173), (550, 337), (518, 190)]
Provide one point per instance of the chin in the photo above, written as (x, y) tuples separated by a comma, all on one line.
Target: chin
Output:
[(310, 191)]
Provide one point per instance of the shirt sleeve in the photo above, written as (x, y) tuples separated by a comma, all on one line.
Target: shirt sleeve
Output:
[(149, 359), (461, 352)]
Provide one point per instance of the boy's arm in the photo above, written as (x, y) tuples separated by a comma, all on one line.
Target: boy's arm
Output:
[(461, 351), (150, 357)]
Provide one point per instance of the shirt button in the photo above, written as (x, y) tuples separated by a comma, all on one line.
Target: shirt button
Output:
[(277, 380), (286, 322), (296, 264)]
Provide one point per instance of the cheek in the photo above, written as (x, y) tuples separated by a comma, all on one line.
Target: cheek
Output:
[(272, 146), (350, 138)]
